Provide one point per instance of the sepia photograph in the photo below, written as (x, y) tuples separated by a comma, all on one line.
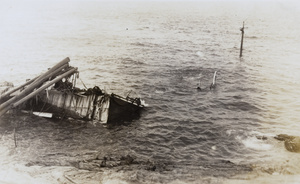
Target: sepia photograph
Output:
[(149, 92)]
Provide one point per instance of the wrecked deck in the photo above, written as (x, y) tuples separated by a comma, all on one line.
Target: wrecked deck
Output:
[(54, 94)]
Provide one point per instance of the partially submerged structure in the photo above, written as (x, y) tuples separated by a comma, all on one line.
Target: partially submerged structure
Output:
[(54, 94)]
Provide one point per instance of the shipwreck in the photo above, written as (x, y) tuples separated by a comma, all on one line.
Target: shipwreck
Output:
[(54, 94)]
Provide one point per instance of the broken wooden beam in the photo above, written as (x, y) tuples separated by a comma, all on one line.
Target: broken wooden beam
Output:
[(57, 66), (46, 85), (38, 82), (51, 70), (4, 107)]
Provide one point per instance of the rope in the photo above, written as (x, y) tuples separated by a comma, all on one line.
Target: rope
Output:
[(83, 84)]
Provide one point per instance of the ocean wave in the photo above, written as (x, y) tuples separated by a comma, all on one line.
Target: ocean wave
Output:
[(240, 106), (131, 61)]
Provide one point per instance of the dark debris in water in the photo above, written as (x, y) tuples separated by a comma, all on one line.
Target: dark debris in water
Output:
[(121, 162), (261, 137), (129, 163)]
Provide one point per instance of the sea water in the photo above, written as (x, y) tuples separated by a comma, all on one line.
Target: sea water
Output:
[(160, 51)]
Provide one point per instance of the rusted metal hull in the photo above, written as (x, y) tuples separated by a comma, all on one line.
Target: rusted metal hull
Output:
[(121, 109), (103, 108)]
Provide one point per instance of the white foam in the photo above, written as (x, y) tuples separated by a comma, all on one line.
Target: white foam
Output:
[(143, 102), (230, 131), (254, 143), (200, 54), (159, 92)]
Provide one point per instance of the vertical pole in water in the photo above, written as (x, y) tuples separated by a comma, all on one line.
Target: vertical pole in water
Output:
[(241, 49), (15, 138)]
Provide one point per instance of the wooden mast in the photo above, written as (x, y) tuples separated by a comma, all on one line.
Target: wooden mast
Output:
[(242, 40)]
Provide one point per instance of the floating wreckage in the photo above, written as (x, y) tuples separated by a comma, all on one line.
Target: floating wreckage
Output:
[(53, 94)]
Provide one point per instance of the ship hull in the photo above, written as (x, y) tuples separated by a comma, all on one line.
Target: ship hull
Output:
[(103, 108)]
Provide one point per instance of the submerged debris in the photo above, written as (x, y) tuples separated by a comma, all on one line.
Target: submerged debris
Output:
[(121, 162), (261, 137)]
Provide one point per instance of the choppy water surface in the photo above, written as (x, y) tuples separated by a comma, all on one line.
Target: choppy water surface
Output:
[(161, 51)]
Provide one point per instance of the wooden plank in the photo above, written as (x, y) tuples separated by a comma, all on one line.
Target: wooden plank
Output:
[(54, 68), (38, 82), (46, 85)]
